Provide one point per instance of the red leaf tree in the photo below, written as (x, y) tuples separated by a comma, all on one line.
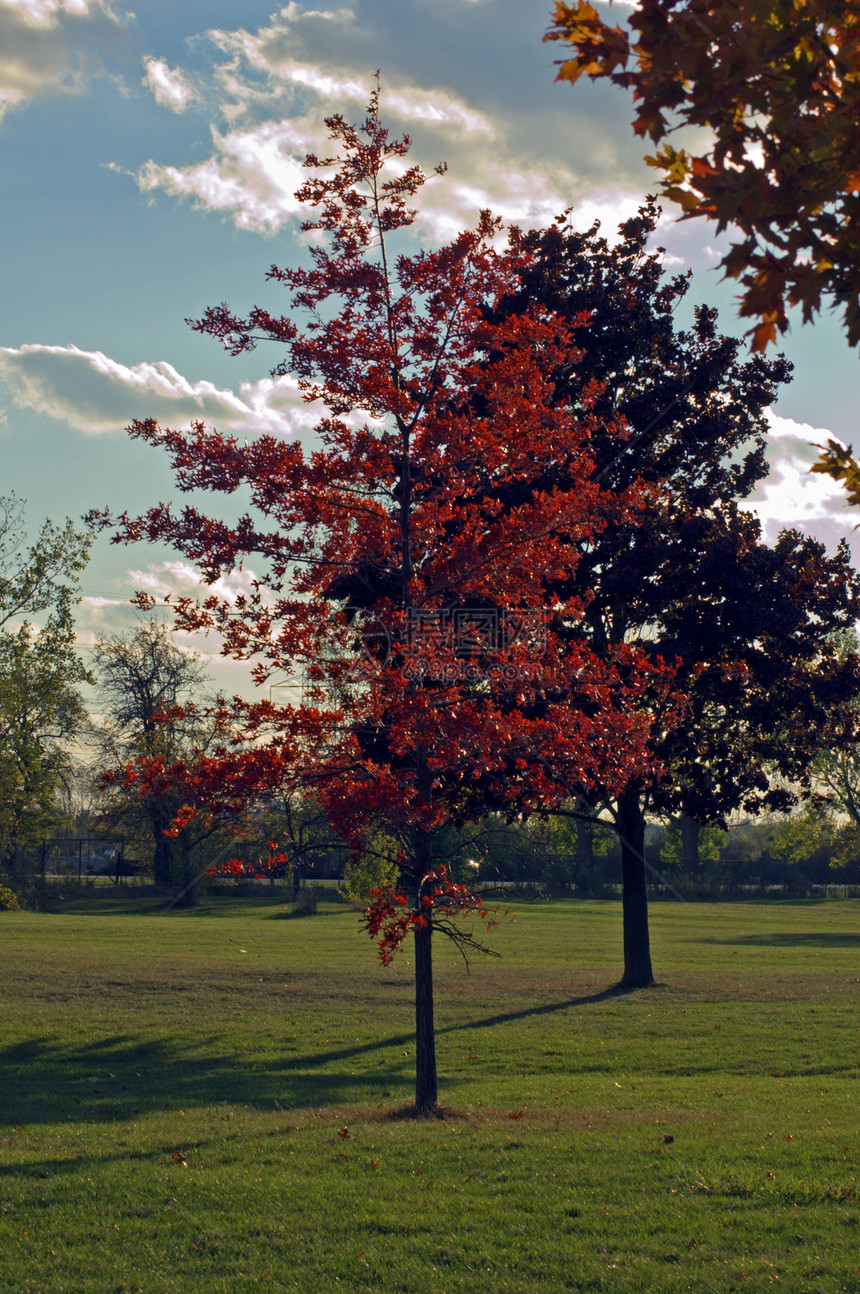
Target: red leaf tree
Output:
[(410, 549)]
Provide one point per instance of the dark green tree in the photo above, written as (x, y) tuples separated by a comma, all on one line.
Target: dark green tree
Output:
[(748, 625), (41, 708), (39, 576), (41, 711)]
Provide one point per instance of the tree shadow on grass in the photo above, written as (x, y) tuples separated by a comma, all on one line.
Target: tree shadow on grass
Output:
[(123, 1076), (119, 1078), (792, 939)]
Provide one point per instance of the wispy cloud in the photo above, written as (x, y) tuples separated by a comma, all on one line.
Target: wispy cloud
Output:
[(253, 174), (275, 86), (167, 84), (96, 394), (100, 616)]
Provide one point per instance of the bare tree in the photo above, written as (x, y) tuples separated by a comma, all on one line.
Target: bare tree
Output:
[(142, 678)]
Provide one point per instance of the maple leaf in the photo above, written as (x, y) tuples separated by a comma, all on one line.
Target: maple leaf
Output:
[(777, 88)]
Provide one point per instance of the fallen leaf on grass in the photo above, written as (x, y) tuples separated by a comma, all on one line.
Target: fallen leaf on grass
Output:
[(179, 1158)]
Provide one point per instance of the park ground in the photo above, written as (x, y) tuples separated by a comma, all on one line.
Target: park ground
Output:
[(217, 1101)]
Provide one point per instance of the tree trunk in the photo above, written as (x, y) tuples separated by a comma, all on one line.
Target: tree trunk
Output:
[(689, 844), (162, 858), (637, 943), (425, 1034), (184, 881), (584, 855)]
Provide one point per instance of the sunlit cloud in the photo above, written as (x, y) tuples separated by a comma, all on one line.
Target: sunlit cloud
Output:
[(791, 495), (168, 85), (166, 580), (47, 13), (276, 86), (96, 394), (295, 13), (253, 174)]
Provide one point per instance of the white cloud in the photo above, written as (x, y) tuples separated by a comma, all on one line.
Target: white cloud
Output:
[(176, 577), (165, 578), (169, 86), (180, 579), (96, 394), (47, 13), (101, 616), (253, 174), (276, 86), (295, 13), (52, 47), (791, 495), (98, 602)]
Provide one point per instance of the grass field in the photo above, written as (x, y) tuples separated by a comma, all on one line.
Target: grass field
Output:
[(215, 1101)]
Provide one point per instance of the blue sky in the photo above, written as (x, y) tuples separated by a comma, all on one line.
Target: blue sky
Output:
[(149, 161)]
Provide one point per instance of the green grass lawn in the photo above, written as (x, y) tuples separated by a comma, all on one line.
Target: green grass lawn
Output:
[(215, 1101)]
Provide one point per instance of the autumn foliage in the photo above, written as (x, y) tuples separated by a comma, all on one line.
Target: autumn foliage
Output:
[(411, 550), (776, 86)]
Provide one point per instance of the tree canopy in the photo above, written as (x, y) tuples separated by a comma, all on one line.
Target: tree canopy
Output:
[(41, 709), (40, 673), (748, 626), (40, 576)]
